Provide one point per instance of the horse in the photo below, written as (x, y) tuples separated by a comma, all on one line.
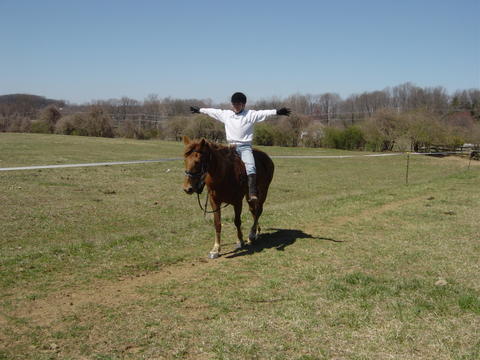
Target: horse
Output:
[(221, 169)]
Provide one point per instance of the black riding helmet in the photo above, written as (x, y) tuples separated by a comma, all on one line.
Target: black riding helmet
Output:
[(239, 97)]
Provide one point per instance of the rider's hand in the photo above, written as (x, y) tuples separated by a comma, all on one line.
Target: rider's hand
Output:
[(283, 111), (195, 109)]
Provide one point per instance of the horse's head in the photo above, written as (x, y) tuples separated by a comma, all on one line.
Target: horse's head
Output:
[(196, 162)]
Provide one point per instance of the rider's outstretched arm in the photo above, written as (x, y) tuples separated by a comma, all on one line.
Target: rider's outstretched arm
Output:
[(261, 115), (217, 114)]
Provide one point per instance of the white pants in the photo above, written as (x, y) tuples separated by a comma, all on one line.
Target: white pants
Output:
[(246, 153)]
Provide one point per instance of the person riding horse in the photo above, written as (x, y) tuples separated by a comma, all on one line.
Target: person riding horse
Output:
[(239, 130)]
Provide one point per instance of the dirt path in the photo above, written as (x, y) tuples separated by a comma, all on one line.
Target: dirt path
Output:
[(125, 290), (368, 213), (44, 312)]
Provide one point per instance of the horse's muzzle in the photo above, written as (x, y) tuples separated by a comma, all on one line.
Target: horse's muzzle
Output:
[(188, 190), (196, 185)]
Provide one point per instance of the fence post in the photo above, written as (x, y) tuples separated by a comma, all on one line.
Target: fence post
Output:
[(408, 166)]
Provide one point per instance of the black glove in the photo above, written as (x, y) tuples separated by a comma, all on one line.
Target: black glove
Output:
[(283, 111), (195, 109)]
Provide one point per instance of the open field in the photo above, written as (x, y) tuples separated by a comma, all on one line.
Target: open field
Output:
[(111, 262)]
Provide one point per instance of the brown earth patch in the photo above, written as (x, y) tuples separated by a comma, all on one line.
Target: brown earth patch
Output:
[(368, 213), (46, 311)]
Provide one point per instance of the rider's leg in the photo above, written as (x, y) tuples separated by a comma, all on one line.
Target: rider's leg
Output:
[(246, 154)]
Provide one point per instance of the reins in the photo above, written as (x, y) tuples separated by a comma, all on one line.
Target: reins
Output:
[(204, 208)]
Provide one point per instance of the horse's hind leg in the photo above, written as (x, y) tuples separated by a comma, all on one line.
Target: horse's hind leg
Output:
[(238, 224), (256, 211)]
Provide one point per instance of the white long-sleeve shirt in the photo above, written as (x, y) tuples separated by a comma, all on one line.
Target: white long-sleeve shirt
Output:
[(239, 127)]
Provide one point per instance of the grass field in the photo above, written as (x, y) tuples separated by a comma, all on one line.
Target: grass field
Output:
[(111, 262)]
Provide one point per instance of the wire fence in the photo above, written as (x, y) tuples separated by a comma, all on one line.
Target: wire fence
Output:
[(408, 154)]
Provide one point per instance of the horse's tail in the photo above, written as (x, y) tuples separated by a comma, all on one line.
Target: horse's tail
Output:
[(264, 165)]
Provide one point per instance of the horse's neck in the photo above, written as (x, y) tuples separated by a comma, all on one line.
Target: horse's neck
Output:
[(220, 166)]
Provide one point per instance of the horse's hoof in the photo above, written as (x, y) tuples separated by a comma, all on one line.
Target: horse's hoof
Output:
[(239, 246), (252, 237), (213, 255)]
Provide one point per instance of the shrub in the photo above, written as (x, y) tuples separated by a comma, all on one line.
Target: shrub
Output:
[(132, 130), (382, 129), (139, 133), (289, 130), (153, 133), (455, 141), (474, 135), (16, 124), (4, 123), (75, 124), (127, 129), (402, 144), (68, 124), (205, 127), (353, 138), (264, 134), (424, 130), (40, 127), (283, 136), (175, 127), (313, 135), (93, 123), (99, 123), (333, 138), (50, 115)]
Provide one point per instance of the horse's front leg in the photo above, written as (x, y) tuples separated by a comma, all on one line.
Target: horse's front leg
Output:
[(217, 219), (238, 223)]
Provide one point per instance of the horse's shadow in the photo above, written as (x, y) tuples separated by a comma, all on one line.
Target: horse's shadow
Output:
[(278, 239)]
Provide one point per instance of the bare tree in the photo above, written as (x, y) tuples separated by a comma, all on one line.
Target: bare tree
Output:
[(350, 108), (151, 105), (272, 103), (328, 104), (298, 103)]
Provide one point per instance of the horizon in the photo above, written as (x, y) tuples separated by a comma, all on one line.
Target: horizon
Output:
[(94, 51)]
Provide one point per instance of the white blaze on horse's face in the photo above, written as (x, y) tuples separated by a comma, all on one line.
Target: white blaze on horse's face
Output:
[(195, 166)]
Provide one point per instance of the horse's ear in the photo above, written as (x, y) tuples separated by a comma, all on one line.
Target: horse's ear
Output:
[(186, 140)]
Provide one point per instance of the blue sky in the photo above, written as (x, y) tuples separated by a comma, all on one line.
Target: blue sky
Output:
[(85, 50)]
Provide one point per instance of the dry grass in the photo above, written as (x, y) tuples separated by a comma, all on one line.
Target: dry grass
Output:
[(110, 263)]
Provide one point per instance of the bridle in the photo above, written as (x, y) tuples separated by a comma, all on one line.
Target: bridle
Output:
[(200, 174), (201, 184)]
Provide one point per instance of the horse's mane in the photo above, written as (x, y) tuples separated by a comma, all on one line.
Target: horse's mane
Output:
[(227, 154), (226, 151)]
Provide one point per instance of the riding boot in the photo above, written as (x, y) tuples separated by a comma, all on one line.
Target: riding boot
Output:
[(252, 188)]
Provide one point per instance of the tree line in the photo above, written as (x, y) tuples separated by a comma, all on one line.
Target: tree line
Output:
[(401, 117)]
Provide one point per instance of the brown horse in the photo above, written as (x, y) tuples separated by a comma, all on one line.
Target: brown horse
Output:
[(221, 169)]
